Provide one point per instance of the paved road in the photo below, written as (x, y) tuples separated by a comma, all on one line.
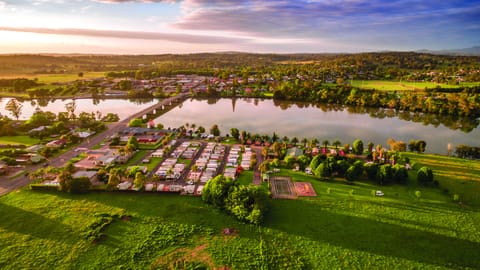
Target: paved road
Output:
[(257, 176), (7, 185)]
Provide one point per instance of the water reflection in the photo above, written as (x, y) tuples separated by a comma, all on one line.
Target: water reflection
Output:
[(122, 107), (324, 121), (464, 124)]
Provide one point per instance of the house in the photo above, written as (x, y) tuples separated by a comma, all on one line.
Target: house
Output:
[(149, 187), (151, 124), (158, 153), (294, 152), (124, 158), (35, 158), (124, 185), (143, 135), (91, 175), (84, 134), (38, 129), (97, 158), (34, 148), (3, 167), (56, 143), (189, 189), (199, 190)]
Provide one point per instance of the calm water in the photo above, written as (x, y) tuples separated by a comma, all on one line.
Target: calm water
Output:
[(323, 123), (122, 107)]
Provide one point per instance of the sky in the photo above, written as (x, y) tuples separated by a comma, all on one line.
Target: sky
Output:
[(269, 26)]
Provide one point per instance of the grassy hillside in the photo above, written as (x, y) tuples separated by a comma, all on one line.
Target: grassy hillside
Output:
[(340, 228), (455, 175)]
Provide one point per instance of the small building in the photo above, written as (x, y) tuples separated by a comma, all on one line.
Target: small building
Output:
[(38, 129), (34, 148), (294, 152), (84, 134), (56, 143), (91, 175), (3, 167)]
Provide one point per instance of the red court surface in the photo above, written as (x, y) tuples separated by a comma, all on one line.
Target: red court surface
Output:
[(305, 189)]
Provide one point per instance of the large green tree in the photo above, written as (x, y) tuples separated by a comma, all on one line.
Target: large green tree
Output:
[(425, 176), (357, 147), (216, 190), (247, 203), (235, 133), (214, 130)]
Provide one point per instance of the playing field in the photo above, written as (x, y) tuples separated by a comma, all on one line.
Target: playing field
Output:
[(305, 189), (282, 187)]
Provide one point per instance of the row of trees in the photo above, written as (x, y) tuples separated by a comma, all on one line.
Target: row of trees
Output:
[(464, 103), (465, 151)]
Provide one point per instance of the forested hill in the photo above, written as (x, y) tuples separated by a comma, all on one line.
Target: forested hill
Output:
[(397, 63)]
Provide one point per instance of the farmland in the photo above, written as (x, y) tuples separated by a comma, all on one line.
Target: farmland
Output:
[(26, 140), (403, 85)]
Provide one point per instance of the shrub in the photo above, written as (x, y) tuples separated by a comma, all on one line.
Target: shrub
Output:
[(79, 185), (246, 203), (425, 176), (43, 187)]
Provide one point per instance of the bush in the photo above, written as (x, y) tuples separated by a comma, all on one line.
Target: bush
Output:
[(137, 122), (358, 147), (43, 187), (246, 203), (79, 185), (216, 191), (425, 176)]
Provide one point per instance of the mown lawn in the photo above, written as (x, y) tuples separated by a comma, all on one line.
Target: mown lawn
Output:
[(26, 140), (455, 175), (337, 229)]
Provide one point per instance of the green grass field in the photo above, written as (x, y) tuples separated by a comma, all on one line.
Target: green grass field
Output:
[(57, 78), (402, 86), (457, 175), (26, 140), (331, 231)]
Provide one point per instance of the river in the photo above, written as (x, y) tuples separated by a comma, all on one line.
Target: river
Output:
[(122, 107), (324, 122)]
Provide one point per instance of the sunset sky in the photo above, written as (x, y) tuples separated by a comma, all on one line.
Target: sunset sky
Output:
[(169, 26)]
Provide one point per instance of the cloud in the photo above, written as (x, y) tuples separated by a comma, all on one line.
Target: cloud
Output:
[(310, 18), (184, 38), (133, 1)]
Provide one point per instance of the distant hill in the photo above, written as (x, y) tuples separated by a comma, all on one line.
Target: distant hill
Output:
[(466, 51)]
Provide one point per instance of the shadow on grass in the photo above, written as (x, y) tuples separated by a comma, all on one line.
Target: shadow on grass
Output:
[(309, 220), (173, 207), (17, 220)]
